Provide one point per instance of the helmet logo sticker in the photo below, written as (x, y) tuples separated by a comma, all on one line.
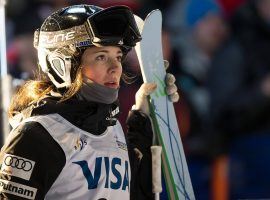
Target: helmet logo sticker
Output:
[(62, 37), (83, 43)]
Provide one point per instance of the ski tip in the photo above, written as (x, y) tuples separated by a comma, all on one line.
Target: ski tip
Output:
[(140, 22), (154, 12)]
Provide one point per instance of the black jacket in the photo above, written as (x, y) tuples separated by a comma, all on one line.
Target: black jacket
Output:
[(91, 117)]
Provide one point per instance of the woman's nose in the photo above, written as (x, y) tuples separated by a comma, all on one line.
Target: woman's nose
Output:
[(114, 65)]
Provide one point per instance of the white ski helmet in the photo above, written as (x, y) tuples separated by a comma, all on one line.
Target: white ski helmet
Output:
[(66, 33)]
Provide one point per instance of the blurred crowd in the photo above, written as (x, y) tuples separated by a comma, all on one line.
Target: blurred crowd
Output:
[(219, 51)]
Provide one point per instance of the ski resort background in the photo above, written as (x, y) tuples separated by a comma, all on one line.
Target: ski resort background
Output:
[(219, 52)]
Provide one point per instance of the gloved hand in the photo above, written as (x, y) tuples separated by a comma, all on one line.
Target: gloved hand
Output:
[(141, 102), (171, 88), (146, 89)]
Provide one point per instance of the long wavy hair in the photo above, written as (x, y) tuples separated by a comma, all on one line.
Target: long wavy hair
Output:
[(33, 91)]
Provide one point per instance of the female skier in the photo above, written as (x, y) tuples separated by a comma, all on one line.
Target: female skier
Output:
[(66, 141)]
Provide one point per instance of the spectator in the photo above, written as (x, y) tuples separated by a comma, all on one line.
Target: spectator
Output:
[(202, 32), (239, 83), (198, 31)]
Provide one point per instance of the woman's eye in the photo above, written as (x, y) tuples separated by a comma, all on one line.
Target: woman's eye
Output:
[(119, 58), (101, 57)]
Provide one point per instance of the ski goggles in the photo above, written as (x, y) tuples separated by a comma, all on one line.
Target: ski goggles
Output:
[(111, 26)]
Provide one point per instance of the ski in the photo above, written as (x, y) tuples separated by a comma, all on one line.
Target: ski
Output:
[(150, 56)]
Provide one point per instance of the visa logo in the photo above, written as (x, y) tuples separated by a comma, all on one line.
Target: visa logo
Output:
[(112, 167)]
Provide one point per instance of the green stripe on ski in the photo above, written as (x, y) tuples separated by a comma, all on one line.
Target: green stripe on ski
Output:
[(172, 193)]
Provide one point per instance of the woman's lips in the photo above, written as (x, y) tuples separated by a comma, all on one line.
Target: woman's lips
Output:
[(111, 84)]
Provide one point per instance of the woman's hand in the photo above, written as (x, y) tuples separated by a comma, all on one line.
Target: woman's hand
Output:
[(141, 102), (146, 89), (171, 88)]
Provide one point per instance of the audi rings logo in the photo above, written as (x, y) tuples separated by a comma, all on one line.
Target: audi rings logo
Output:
[(17, 166), (18, 163)]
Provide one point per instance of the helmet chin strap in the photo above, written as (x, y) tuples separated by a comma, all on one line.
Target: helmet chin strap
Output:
[(94, 92)]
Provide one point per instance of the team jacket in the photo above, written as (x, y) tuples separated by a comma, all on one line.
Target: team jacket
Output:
[(73, 151)]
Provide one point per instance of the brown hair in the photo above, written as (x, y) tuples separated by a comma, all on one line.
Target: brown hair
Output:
[(34, 90)]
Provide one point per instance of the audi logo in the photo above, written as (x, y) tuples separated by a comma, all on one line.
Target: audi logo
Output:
[(18, 163)]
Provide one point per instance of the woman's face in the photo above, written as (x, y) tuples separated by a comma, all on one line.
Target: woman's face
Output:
[(103, 65)]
